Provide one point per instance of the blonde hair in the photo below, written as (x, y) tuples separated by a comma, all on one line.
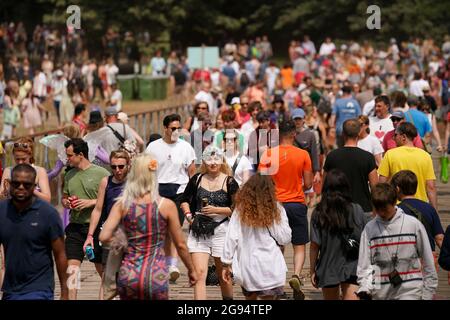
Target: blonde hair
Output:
[(72, 131), (140, 181), (120, 154)]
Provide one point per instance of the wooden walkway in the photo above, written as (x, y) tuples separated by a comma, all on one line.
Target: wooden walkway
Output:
[(90, 281)]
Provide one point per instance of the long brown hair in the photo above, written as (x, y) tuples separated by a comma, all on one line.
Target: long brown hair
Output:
[(256, 202)]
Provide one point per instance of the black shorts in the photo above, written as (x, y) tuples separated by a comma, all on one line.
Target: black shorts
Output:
[(75, 237), (297, 214), (350, 280)]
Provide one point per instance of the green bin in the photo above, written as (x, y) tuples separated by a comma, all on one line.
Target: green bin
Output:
[(153, 88), (126, 83)]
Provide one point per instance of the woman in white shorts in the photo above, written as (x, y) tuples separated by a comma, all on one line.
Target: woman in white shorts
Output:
[(208, 203)]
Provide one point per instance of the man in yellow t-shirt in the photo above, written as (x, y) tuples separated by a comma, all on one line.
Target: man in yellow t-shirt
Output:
[(408, 157)]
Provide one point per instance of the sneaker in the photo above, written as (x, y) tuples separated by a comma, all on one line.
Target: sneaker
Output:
[(296, 285), (174, 273)]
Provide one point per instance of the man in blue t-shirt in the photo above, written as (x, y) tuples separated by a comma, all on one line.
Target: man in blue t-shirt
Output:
[(30, 230), (343, 109), (405, 182), (418, 118)]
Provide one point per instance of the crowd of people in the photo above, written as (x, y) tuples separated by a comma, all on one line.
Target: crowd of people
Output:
[(344, 132)]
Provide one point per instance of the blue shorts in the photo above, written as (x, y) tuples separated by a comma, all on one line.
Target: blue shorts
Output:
[(35, 295), (297, 214)]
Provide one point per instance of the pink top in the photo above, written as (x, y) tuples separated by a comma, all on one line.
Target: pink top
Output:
[(389, 142)]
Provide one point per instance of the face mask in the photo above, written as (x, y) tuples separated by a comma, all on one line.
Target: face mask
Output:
[(175, 136)]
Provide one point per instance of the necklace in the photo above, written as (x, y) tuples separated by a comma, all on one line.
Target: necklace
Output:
[(394, 257)]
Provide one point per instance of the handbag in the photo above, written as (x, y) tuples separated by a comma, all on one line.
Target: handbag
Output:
[(351, 246), (444, 168), (349, 242), (203, 226)]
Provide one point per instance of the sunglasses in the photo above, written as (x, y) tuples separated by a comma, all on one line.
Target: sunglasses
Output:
[(21, 145), (202, 108), (175, 128), (395, 119), (26, 185), (119, 166)]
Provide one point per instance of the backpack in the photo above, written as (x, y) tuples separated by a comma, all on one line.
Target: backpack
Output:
[(125, 144), (236, 163)]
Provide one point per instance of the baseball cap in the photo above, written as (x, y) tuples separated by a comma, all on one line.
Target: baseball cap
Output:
[(59, 73), (235, 100), (122, 116), (298, 113), (94, 117), (111, 111), (398, 114)]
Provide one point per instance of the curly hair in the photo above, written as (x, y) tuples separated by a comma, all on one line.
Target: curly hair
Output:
[(24, 144), (256, 202)]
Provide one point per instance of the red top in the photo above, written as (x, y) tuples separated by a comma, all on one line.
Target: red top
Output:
[(389, 142)]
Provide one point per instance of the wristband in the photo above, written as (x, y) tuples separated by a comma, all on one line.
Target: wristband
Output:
[(90, 235)]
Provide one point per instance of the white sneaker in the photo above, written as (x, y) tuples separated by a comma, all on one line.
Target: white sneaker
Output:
[(174, 273)]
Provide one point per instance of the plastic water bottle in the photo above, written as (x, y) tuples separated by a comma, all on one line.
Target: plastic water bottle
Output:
[(90, 253)]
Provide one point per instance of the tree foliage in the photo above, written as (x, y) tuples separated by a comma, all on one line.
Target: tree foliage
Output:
[(216, 21)]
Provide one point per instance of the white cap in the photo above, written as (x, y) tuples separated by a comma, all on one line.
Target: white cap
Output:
[(59, 73), (301, 87), (122, 116), (235, 100)]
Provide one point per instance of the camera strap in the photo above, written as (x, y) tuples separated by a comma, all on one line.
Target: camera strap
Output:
[(394, 257)]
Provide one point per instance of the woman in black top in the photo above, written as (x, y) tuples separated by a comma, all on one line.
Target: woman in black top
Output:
[(209, 194), (336, 226)]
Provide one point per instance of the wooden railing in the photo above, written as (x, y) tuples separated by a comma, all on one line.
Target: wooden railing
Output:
[(145, 123)]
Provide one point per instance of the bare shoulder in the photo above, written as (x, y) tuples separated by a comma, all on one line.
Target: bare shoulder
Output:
[(166, 206)]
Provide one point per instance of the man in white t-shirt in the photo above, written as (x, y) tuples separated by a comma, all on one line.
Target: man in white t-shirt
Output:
[(111, 72), (116, 97), (40, 85), (158, 64), (327, 48), (367, 142), (272, 73), (416, 86), (176, 164), (381, 123), (58, 85), (205, 95)]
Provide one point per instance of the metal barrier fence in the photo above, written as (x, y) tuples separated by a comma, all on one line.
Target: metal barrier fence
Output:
[(145, 123)]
